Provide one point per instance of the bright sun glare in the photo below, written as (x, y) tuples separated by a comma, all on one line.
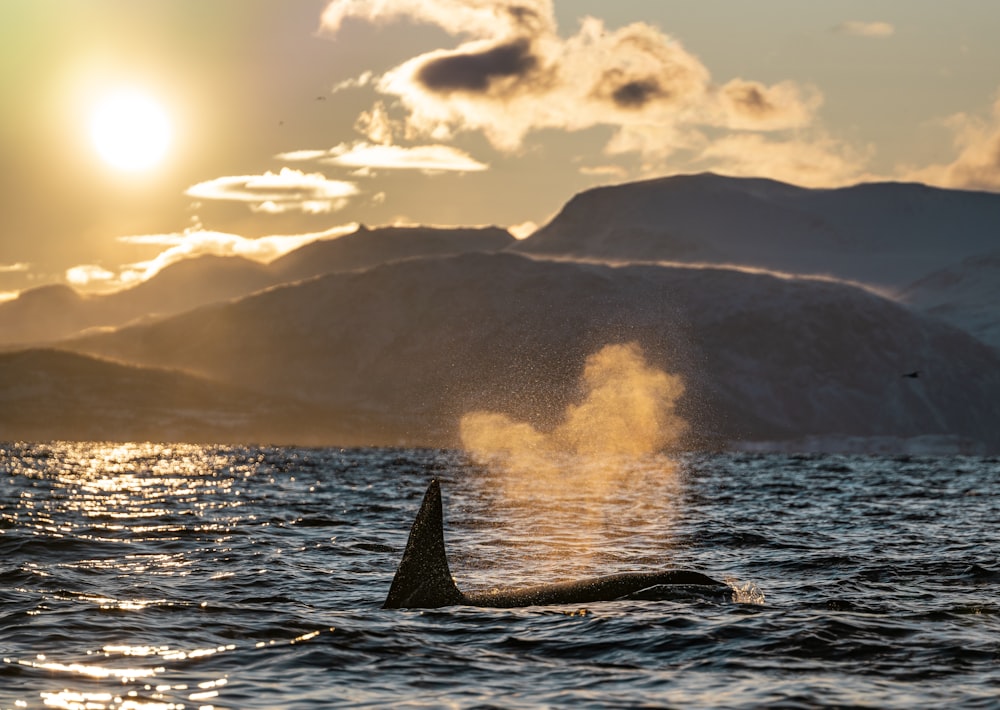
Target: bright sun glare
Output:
[(130, 130)]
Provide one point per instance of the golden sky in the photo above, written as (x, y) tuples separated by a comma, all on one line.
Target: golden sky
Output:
[(134, 133)]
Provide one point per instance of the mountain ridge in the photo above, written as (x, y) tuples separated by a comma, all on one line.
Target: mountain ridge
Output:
[(390, 336), (53, 312), (423, 341), (884, 234)]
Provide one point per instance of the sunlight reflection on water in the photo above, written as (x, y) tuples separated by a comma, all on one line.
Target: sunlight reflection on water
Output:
[(258, 582), (150, 694)]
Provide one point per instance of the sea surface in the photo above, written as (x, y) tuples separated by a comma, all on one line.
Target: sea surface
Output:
[(143, 576)]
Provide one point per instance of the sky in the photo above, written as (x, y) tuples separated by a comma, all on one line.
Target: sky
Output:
[(135, 134)]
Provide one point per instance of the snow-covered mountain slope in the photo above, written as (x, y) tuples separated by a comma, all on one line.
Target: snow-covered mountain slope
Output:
[(883, 234), (414, 345), (48, 394), (966, 294), (51, 313), (367, 247)]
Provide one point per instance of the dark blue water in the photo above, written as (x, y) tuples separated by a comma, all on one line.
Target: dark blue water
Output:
[(164, 577)]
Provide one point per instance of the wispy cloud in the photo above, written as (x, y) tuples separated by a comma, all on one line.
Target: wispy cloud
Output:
[(814, 163), (14, 268), (609, 171), (858, 28), (429, 158), (357, 82), (288, 190), (200, 242), (513, 74), (751, 105), (476, 18), (91, 275), (190, 244), (523, 230), (977, 166), (305, 154)]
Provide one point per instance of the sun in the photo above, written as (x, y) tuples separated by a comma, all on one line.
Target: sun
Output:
[(130, 130)]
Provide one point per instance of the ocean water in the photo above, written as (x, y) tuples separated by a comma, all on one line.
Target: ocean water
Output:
[(143, 576)]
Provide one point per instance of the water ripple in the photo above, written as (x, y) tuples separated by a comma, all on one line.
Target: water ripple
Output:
[(144, 575)]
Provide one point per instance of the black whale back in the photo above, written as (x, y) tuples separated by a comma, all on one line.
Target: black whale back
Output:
[(423, 580)]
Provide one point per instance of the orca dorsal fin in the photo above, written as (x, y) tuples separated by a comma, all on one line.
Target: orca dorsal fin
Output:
[(423, 579)]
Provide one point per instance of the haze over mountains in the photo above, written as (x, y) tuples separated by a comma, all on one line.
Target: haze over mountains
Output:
[(421, 342), (53, 312), (50, 394), (390, 336)]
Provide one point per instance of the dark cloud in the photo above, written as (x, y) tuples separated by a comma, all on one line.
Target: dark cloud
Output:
[(645, 68), (750, 99), (476, 72), (629, 92), (517, 75), (638, 93), (527, 19), (750, 105)]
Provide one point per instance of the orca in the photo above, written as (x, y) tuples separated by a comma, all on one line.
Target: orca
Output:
[(423, 579)]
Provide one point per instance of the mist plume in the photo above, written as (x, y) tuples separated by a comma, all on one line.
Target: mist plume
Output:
[(627, 409), (566, 483)]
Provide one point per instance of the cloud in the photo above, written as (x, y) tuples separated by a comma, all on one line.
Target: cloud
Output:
[(476, 18), (633, 75), (523, 230), (189, 244), (365, 79), (376, 124), (819, 162), (515, 74), (512, 74), (609, 171), (977, 166), (750, 105), (857, 28), (285, 191), (200, 242), (89, 275), (481, 69), (630, 76), (297, 155), (13, 268), (429, 158)]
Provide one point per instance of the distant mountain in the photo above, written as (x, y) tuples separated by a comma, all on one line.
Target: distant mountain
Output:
[(48, 394), (883, 234), (187, 284), (966, 294), (367, 247), (43, 313), (412, 345), (50, 313)]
